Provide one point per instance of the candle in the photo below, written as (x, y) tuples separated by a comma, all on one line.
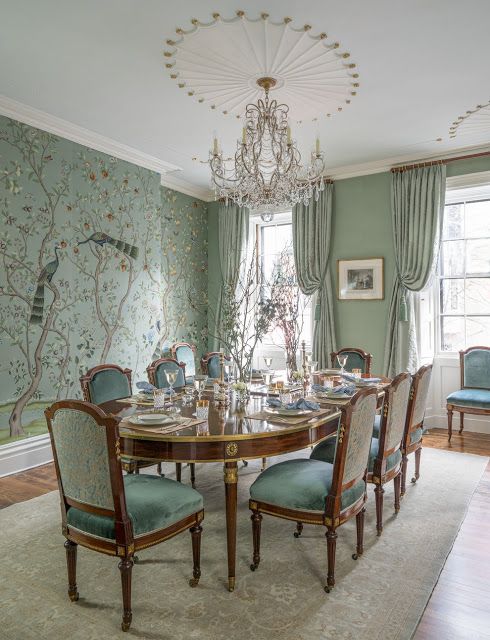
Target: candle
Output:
[(317, 148), (215, 146), (289, 135)]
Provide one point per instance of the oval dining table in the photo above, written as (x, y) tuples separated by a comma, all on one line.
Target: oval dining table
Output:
[(229, 436)]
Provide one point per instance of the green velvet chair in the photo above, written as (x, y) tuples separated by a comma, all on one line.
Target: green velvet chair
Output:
[(157, 373), (106, 512), (210, 364), (185, 353), (385, 455), (356, 359), (317, 492), (474, 395), (107, 382)]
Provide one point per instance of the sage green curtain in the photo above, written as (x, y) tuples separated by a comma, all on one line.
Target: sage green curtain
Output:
[(312, 225), (417, 201), (233, 226)]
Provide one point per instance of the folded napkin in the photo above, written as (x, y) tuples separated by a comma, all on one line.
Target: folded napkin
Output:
[(351, 378), (318, 387), (343, 389), (299, 404), (145, 387)]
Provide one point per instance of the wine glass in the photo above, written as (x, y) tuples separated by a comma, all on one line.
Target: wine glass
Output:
[(268, 361), (200, 384), (171, 379), (342, 360)]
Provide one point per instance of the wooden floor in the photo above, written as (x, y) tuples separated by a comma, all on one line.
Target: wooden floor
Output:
[(459, 606)]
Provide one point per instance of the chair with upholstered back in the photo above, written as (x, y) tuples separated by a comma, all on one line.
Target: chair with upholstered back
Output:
[(319, 492), (474, 395), (414, 426), (185, 353), (106, 512), (106, 382), (356, 359), (157, 373), (210, 364)]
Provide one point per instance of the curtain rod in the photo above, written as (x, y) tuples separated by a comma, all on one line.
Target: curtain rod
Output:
[(431, 163)]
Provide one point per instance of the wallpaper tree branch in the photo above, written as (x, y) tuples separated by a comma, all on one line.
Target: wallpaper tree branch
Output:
[(97, 261)]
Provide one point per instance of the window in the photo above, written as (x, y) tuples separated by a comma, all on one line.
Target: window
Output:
[(464, 273)]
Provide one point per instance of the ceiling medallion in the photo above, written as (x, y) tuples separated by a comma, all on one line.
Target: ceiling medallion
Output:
[(474, 124), (219, 62), (266, 172)]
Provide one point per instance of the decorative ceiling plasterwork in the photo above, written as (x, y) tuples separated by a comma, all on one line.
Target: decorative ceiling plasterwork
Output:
[(474, 125), (218, 63)]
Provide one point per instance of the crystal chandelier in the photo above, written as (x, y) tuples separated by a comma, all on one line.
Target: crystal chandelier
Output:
[(266, 173)]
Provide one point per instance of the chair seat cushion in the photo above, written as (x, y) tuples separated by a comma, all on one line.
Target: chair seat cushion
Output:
[(326, 451), (152, 502), (300, 484), (478, 398)]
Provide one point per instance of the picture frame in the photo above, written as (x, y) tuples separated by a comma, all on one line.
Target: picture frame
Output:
[(360, 279)]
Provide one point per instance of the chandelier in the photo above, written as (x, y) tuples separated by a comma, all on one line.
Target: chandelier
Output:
[(266, 173)]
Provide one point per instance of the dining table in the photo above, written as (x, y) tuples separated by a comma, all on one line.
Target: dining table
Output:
[(232, 433)]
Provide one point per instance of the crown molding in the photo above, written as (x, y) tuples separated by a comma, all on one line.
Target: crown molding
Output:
[(59, 127), (184, 186)]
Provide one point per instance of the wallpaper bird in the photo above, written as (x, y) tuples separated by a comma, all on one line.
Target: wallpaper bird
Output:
[(102, 238), (45, 276)]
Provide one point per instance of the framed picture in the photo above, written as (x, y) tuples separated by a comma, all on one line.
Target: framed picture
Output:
[(360, 279)]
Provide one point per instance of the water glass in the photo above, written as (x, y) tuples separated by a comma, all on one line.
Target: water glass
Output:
[(328, 383), (285, 397), (357, 373), (202, 409), (159, 396), (267, 375)]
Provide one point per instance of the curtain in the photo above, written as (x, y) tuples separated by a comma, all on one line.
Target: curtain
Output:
[(233, 226), (311, 243), (417, 201)]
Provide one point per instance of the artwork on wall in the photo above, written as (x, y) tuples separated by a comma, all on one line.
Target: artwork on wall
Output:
[(360, 279), (97, 264)]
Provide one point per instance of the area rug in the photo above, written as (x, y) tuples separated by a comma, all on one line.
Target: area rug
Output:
[(382, 595)]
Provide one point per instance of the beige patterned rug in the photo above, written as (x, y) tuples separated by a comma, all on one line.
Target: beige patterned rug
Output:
[(381, 596)]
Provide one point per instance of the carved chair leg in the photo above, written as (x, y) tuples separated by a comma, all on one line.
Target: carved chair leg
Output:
[(178, 471), (461, 422), (360, 534), (331, 536), (404, 475), (397, 483), (378, 494), (256, 518), (193, 474), (196, 555), (125, 567), (159, 470), (71, 563), (449, 424), (299, 529), (417, 465), (264, 464)]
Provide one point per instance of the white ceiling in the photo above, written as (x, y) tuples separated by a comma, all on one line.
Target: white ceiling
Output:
[(99, 64)]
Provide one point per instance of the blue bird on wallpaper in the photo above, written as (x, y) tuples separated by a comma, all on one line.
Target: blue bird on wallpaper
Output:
[(46, 275), (101, 238)]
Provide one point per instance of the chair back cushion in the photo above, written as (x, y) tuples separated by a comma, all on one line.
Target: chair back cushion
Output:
[(397, 413), (183, 353), (83, 459), (161, 378), (108, 384), (476, 369), (214, 369), (421, 394), (359, 438)]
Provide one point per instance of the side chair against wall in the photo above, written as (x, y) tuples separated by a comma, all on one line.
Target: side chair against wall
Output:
[(316, 492), (414, 426), (474, 395), (210, 364), (185, 353), (156, 372), (106, 512), (385, 456), (110, 382), (356, 359)]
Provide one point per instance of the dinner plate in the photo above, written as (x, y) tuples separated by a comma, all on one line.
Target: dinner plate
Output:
[(335, 396), (279, 411), (151, 418), (328, 372)]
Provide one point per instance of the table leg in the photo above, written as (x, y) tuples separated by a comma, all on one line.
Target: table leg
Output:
[(231, 480)]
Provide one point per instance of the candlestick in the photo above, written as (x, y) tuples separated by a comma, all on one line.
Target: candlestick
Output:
[(215, 146), (317, 146)]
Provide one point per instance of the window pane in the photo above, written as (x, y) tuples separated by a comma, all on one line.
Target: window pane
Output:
[(453, 258), (478, 331), (478, 256), (477, 295), (452, 296), (452, 333), (453, 226), (478, 219)]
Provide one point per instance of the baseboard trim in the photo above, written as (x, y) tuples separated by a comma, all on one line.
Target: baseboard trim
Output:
[(25, 454), (473, 423)]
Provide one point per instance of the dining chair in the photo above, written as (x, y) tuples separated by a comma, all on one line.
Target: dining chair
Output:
[(185, 353), (312, 491), (474, 395), (210, 365), (107, 382), (106, 512), (356, 359), (385, 456)]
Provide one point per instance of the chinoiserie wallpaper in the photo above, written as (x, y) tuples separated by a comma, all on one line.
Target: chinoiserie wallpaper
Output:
[(98, 263)]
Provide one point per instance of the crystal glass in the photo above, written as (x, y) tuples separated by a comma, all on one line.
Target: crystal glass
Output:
[(159, 398), (268, 361), (200, 384), (342, 360), (171, 379), (357, 373), (328, 383), (312, 366), (285, 397), (202, 409), (267, 375)]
